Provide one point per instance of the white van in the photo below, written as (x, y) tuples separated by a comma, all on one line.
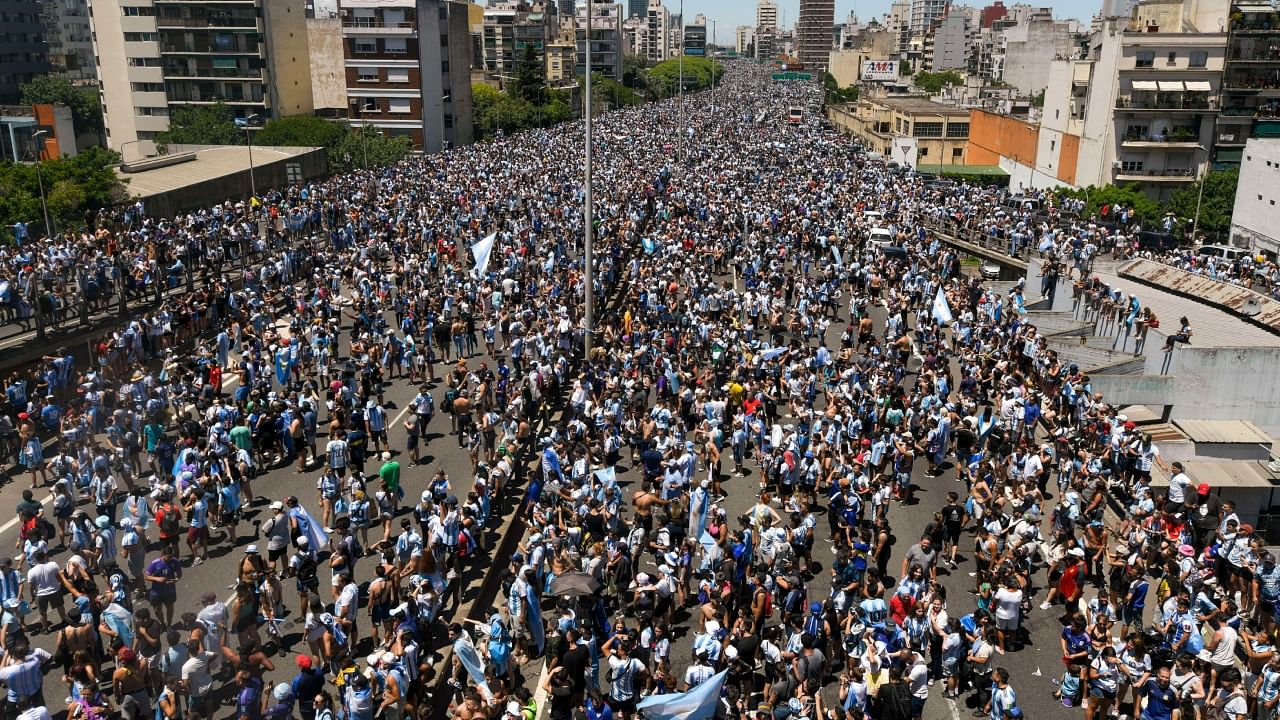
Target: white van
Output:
[(1226, 252), (881, 236)]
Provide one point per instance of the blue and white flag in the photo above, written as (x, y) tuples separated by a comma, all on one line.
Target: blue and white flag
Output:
[(772, 353), (941, 310), (309, 527), (283, 366), (481, 252), (835, 253), (465, 650), (698, 703)]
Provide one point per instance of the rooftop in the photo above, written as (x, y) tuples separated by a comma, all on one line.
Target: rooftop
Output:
[(920, 106), (211, 162)]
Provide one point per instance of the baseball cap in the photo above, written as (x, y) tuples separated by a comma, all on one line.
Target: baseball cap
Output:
[(1203, 488)]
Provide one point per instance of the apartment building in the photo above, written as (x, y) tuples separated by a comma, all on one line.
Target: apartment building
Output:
[(766, 30), (24, 53), (949, 48), (606, 41), (1250, 82), (70, 39), (408, 69), (695, 40), (1144, 106), (156, 55), (510, 29), (744, 38), (941, 131), (815, 32), (924, 13)]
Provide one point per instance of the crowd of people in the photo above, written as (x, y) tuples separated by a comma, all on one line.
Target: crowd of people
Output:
[(752, 351)]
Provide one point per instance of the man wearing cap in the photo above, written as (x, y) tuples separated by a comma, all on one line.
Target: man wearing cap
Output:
[(129, 684), (1204, 516), (276, 529)]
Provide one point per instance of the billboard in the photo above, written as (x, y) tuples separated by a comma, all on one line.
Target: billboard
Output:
[(879, 70), (904, 151)]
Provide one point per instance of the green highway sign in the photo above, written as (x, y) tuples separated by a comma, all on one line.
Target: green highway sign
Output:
[(792, 76)]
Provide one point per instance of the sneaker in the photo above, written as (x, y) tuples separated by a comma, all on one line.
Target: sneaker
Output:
[(1045, 606), (198, 561), (1066, 702), (973, 574)]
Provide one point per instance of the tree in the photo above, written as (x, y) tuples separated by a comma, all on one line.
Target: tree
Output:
[(367, 147), (202, 125), (699, 74), (73, 187), (530, 83), (835, 94), (1216, 205), (86, 111), (300, 131), (1147, 211), (933, 83), (612, 93), (1037, 100), (633, 72)]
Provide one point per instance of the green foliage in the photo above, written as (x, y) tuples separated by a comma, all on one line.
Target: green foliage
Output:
[(366, 147), (933, 83), (699, 73), (1148, 211), (493, 111), (530, 83), (1216, 205), (86, 112), (202, 125), (612, 93), (634, 73), (1037, 100), (72, 186), (300, 131), (836, 94)]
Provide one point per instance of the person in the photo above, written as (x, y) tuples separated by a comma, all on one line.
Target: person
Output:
[(627, 675), (23, 677), (163, 573), (1003, 704), (1161, 699)]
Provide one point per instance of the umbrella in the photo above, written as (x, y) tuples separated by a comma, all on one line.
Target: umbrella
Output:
[(574, 584)]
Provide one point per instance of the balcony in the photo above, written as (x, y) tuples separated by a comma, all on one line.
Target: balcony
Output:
[(1176, 138), (1234, 139), (212, 73), (221, 23), (1257, 26), (370, 27), (1175, 101), (194, 49), (1174, 176), (1266, 55)]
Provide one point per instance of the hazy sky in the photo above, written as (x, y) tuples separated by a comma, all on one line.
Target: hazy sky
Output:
[(729, 14)]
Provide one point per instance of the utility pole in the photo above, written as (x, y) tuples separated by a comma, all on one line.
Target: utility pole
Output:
[(588, 266), (1195, 223), (680, 65), (48, 231)]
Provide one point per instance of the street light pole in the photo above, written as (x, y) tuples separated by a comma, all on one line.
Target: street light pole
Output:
[(1195, 223), (48, 230), (588, 268), (680, 64)]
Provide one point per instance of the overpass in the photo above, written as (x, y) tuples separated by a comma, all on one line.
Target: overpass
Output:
[(987, 249)]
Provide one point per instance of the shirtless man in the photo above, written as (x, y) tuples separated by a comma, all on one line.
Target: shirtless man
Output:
[(129, 683), (382, 597), (645, 500), (866, 328)]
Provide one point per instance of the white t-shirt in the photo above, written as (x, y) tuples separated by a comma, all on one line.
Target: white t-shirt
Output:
[(195, 671), (1008, 604), (1178, 485), (1236, 706), (44, 578), (918, 680)]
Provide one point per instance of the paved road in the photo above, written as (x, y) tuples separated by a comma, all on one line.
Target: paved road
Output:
[(1031, 667)]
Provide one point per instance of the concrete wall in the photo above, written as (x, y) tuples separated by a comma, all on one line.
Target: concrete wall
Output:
[(288, 57), (1030, 48), (1253, 220), (1222, 383), (273, 174), (328, 82)]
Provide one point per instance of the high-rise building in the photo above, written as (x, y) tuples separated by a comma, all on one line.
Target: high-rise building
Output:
[(567, 8), (510, 30), (637, 8), (695, 40), (657, 36), (766, 30), (607, 48), (22, 46), (814, 33), (992, 13), (1250, 93), (950, 44), (409, 69), (70, 39), (924, 13), (251, 55), (744, 38)]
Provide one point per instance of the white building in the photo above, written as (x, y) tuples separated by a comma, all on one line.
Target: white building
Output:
[(950, 44), (766, 30), (743, 38), (924, 13), (1253, 221), (1031, 45)]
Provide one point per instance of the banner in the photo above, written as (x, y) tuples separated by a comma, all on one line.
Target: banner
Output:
[(465, 650), (879, 70), (481, 252), (941, 310), (835, 253), (698, 703), (772, 353)]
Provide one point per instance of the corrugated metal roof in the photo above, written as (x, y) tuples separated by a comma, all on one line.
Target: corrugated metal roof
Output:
[(1223, 431), (1207, 291), (1221, 474)]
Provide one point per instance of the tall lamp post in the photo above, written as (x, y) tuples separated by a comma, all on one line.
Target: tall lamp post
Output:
[(587, 210), (251, 123), (680, 65), (48, 229)]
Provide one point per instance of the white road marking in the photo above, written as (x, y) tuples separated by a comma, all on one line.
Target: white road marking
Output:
[(12, 523)]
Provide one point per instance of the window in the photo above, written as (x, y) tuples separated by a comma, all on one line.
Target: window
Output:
[(924, 152), (1173, 58), (1135, 132), (1199, 58), (957, 152), (370, 105), (151, 111), (929, 130), (366, 46), (137, 11), (395, 46), (398, 105), (1146, 58), (1053, 145), (958, 130), (146, 87), (141, 37), (1132, 166), (367, 74), (144, 62), (397, 75)]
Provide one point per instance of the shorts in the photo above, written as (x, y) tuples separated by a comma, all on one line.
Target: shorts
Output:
[(306, 586), (197, 535), (412, 442), (1098, 692), (627, 707), (44, 602), (1131, 616), (951, 533), (228, 518), (380, 612), (950, 667), (1006, 624), (1243, 573), (274, 555)]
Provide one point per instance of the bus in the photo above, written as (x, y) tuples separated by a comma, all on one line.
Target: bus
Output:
[(795, 115)]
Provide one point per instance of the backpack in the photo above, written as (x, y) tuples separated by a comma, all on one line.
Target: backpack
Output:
[(307, 568), (1216, 711), (464, 543), (795, 601), (168, 520), (895, 702)]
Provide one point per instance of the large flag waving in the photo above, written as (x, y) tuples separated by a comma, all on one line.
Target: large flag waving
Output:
[(481, 251), (465, 650), (941, 310), (697, 703)]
